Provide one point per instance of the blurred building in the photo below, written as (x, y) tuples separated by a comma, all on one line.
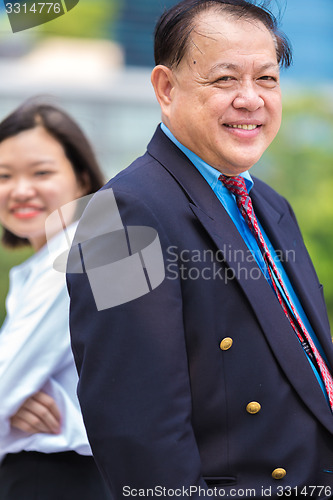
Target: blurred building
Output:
[(106, 85), (309, 27), (115, 106), (135, 26)]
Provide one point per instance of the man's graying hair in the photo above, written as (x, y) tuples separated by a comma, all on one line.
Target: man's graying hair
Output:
[(174, 28)]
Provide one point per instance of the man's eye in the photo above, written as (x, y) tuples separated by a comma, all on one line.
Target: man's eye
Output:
[(268, 78), (4, 177), (225, 79), (268, 81)]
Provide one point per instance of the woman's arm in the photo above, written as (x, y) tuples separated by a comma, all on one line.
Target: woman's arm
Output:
[(34, 343), (38, 414)]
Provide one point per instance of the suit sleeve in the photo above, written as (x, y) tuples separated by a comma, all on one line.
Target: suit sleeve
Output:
[(134, 386)]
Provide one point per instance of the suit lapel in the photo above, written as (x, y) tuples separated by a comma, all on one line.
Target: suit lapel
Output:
[(298, 266), (215, 220)]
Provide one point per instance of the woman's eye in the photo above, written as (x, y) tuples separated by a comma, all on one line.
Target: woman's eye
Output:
[(4, 177), (40, 173)]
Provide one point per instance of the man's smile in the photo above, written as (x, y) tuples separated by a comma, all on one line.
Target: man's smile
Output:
[(244, 127)]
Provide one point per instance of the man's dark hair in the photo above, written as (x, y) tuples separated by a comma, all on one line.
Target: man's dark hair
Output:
[(174, 28), (65, 130)]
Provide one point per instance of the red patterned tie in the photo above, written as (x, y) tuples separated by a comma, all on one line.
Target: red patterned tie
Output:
[(237, 186)]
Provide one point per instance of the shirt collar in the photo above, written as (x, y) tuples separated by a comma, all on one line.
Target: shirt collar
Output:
[(209, 173), (44, 258)]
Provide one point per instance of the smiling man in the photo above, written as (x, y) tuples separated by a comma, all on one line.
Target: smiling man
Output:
[(223, 100), (218, 382)]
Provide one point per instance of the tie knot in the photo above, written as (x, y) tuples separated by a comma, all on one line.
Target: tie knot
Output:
[(236, 185)]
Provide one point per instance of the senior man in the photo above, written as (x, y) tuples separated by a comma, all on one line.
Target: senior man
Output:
[(218, 381)]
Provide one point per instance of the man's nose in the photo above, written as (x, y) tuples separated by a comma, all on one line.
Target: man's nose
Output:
[(248, 97)]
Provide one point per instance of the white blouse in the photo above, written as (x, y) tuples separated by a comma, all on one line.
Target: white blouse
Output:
[(35, 355)]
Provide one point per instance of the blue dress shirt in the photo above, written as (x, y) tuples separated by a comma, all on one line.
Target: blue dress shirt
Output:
[(228, 200)]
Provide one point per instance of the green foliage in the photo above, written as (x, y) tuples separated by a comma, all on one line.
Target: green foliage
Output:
[(299, 165), (8, 259), (89, 19)]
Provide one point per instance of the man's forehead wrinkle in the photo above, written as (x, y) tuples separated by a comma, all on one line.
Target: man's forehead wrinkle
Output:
[(226, 65), (195, 45), (207, 34), (200, 35), (207, 26)]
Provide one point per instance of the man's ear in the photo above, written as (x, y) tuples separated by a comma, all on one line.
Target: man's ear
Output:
[(162, 79)]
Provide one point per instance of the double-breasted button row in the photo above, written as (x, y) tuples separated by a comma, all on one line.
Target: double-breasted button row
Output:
[(226, 343), (253, 407), (279, 473)]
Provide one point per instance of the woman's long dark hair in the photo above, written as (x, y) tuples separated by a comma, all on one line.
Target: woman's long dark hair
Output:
[(65, 130)]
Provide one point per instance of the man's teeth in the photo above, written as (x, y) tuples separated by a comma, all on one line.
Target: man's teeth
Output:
[(244, 127)]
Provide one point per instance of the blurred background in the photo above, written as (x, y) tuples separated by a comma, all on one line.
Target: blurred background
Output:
[(95, 62)]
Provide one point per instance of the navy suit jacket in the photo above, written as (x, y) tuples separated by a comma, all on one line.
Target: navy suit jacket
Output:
[(164, 405)]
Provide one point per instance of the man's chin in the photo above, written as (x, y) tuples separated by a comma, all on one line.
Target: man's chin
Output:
[(233, 169)]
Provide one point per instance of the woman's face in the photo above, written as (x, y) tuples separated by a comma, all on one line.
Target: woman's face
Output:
[(36, 178)]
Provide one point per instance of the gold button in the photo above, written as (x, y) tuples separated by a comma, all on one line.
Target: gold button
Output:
[(253, 407), (226, 344), (279, 473)]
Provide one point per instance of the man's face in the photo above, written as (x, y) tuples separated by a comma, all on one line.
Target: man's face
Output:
[(225, 99)]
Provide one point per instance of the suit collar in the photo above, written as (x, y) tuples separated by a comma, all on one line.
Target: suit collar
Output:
[(207, 171), (182, 170)]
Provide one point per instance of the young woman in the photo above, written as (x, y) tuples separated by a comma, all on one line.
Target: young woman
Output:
[(45, 162)]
